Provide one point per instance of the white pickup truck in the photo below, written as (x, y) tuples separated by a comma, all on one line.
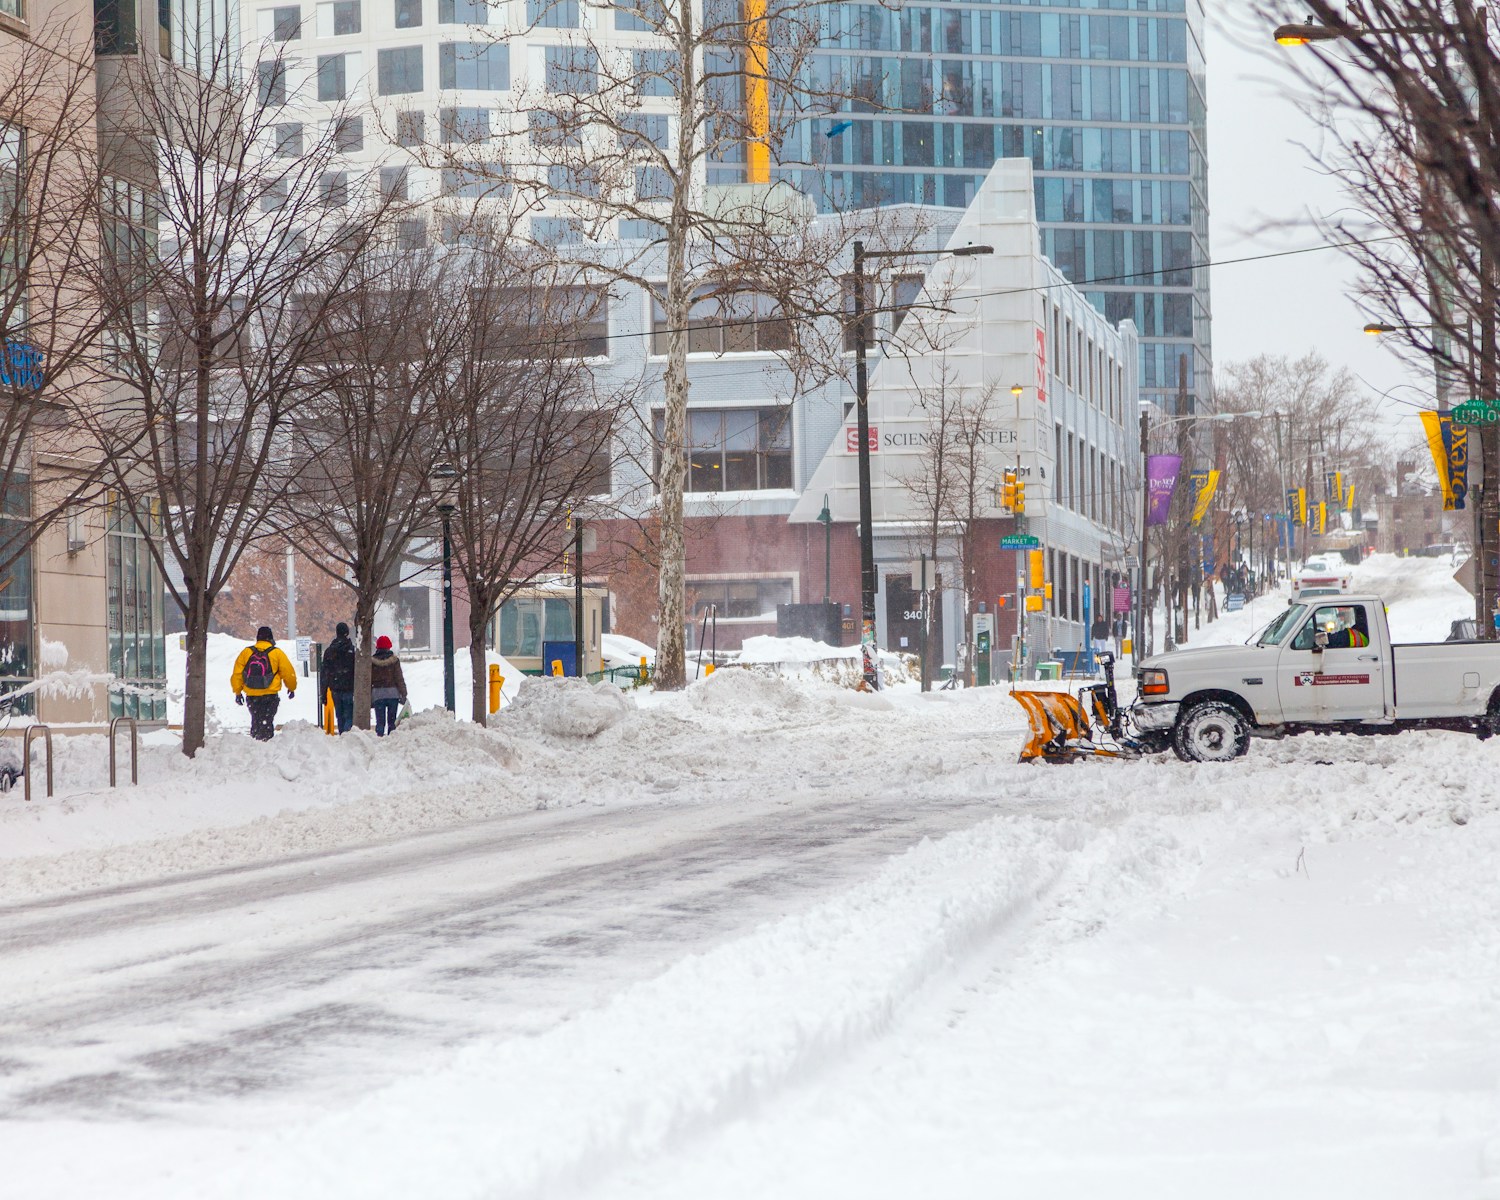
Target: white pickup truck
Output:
[(1326, 664)]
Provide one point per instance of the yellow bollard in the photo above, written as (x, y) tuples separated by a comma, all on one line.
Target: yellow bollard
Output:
[(497, 681), (557, 667), (330, 722), (708, 670), (1127, 647), (645, 670)]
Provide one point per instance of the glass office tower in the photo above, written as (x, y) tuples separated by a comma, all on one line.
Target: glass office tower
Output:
[(1104, 96)]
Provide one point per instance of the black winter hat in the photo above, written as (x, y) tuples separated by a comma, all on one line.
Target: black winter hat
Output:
[(341, 630), (263, 634)]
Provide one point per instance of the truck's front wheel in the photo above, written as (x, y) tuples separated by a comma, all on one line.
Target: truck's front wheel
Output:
[(1210, 731)]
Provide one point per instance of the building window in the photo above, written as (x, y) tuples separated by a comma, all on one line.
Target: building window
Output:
[(399, 71), (527, 622), (114, 26), (473, 183), (349, 134), (333, 77), (339, 19), (136, 625), (409, 125), (285, 23), (16, 660), (475, 66), (904, 292), (552, 14), (726, 323), (271, 83), (333, 189), (735, 449), (571, 70), (288, 140), (742, 599), (408, 14), (851, 326), (585, 309), (463, 12), (411, 234), (655, 72), (463, 125), (394, 183), (647, 16)]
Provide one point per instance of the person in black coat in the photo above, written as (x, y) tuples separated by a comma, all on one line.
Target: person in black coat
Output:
[(337, 676)]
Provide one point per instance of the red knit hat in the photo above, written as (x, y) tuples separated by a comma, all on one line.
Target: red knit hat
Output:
[(382, 642)]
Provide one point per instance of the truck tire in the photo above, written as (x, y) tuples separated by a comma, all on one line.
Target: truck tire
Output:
[(1210, 731)]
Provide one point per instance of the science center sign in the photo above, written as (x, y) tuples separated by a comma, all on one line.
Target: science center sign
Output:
[(906, 441)]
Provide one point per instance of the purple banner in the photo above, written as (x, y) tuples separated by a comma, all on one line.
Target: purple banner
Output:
[(1161, 482)]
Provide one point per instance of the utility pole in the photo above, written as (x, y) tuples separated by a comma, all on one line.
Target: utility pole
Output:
[(1138, 646), (866, 505), (1487, 522)]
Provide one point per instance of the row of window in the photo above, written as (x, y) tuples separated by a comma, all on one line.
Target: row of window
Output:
[(977, 144), (466, 66), (1087, 481), (1075, 200), (952, 30), (342, 18), (1004, 88), (1081, 364)]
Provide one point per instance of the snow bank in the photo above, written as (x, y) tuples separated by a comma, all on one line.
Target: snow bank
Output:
[(567, 708)]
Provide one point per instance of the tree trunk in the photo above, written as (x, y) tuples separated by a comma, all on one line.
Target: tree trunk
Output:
[(670, 673), (364, 633), (195, 697), (480, 674)]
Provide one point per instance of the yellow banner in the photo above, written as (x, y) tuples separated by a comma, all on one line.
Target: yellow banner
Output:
[(1302, 506), (1322, 516), (1349, 500), (1205, 496)]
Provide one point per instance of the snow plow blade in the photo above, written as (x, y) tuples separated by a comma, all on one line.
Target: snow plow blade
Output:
[(1060, 729)]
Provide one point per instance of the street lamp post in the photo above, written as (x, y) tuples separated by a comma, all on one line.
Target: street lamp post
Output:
[(825, 519), (445, 477), (862, 414)]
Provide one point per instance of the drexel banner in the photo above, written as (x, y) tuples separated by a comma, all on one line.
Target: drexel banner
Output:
[(1449, 444), (1161, 482)]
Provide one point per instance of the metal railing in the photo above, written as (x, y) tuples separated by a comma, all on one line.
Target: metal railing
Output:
[(135, 750), (31, 732)]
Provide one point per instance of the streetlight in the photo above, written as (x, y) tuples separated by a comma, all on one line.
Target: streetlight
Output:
[(825, 518), (445, 482), (862, 407), (1301, 34)]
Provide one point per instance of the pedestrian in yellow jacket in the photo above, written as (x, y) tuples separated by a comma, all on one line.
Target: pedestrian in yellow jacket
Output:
[(259, 673)]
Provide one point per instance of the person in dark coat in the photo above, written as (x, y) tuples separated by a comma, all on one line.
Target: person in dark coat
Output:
[(387, 686), (337, 676)]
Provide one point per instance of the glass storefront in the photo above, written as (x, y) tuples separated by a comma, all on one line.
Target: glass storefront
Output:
[(16, 599), (137, 638)]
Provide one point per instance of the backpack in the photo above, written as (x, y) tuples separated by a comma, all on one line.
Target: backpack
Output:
[(259, 674)]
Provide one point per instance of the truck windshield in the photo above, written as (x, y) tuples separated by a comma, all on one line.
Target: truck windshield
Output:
[(1281, 626)]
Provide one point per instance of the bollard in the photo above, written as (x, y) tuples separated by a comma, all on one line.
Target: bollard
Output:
[(557, 667), (31, 731), (708, 670), (135, 749), (497, 681), (330, 721), (645, 670)]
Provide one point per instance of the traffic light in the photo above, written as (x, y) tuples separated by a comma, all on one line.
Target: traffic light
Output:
[(1008, 492), (1019, 507)]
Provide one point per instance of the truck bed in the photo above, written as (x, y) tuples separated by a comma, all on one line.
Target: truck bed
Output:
[(1443, 679)]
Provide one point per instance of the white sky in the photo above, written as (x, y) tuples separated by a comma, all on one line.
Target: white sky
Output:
[(1259, 173)]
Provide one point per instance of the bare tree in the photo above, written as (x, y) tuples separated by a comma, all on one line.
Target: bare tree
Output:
[(523, 424), (51, 310), (1409, 101), (621, 139), (364, 434), (955, 483), (218, 267)]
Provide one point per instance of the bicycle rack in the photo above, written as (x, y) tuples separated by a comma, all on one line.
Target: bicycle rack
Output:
[(32, 731), (135, 749)]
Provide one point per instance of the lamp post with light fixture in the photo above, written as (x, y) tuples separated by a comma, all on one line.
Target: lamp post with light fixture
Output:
[(445, 484), (867, 580)]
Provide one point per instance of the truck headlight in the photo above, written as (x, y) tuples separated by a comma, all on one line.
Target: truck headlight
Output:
[(1154, 682)]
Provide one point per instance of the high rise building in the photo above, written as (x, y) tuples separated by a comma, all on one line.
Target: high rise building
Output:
[(1105, 97)]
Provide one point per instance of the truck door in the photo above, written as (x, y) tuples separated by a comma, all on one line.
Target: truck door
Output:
[(1346, 682)]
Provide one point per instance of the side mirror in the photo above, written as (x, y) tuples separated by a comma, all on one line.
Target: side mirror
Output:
[(1320, 641)]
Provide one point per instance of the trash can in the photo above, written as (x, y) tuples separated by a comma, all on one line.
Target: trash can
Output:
[(1049, 670)]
